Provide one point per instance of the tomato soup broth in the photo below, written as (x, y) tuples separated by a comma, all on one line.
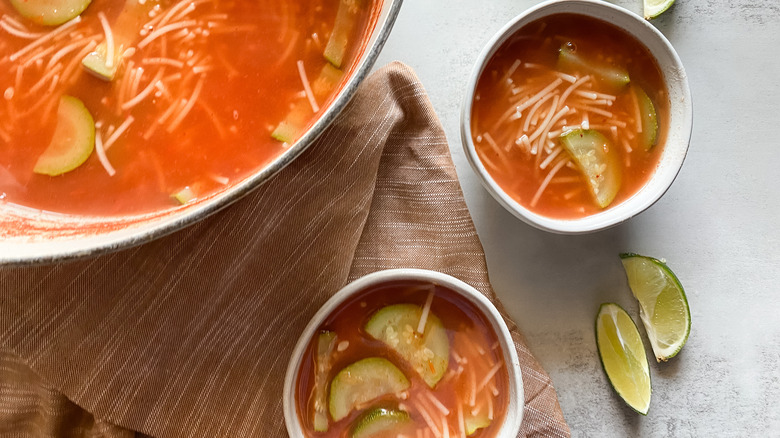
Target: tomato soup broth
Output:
[(565, 79), (200, 92), (471, 395)]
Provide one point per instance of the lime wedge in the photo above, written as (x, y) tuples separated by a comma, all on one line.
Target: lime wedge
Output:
[(663, 306), (623, 356), (654, 8)]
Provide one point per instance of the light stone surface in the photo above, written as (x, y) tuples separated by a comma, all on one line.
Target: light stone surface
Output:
[(717, 227)]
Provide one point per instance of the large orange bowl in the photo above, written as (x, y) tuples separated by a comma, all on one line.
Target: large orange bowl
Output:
[(29, 236)]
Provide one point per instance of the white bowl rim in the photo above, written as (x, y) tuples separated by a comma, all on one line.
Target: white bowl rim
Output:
[(514, 413), (678, 138)]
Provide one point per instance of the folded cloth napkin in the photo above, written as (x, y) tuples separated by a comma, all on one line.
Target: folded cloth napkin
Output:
[(190, 335)]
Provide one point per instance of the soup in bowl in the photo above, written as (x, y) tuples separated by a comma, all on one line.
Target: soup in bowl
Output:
[(577, 116), (404, 352), (128, 119)]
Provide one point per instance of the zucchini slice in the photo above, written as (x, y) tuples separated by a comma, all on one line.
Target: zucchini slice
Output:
[(379, 422), (50, 12), (185, 195), (363, 381), (598, 160), (326, 341), (475, 422), (429, 353), (346, 17), (289, 129), (649, 119), (96, 62), (73, 141), (327, 81), (124, 33), (571, 61)]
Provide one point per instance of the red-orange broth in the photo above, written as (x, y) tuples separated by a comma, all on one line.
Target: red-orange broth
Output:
[(532, 167), (475, 361), (216, 85)]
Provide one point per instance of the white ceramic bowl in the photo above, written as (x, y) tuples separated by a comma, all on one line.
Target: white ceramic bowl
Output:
[(514, 414), (680, 115)]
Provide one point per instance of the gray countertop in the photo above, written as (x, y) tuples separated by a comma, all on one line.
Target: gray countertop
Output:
[(717, 227)]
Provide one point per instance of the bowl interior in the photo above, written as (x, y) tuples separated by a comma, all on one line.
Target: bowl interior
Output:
[(680, 116), (34, 236), (514, 414)]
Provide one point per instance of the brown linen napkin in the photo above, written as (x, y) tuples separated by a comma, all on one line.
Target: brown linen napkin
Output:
[(190, 335)]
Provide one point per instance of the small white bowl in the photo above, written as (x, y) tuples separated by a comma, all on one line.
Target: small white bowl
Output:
[(680, 115), (514, 413)]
